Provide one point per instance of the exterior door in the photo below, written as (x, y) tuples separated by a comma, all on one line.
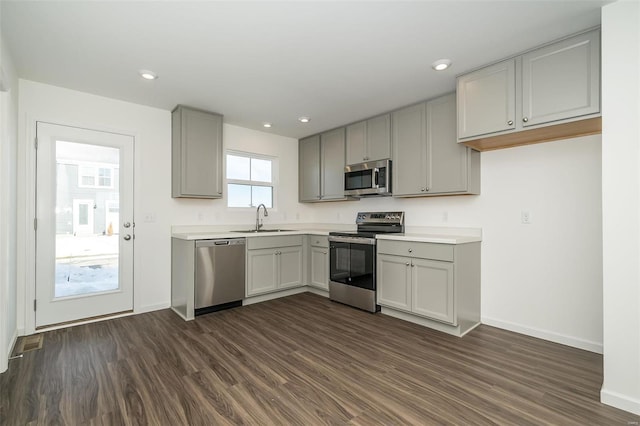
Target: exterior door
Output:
[(84, 187)]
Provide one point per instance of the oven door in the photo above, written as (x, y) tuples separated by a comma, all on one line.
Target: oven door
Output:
[(352, 261)]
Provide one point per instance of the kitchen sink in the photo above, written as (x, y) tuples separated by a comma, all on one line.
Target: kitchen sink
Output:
[(263, 230)]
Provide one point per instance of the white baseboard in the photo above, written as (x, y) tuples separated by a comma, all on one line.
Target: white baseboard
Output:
[(12, 344), (271, 296), (620, 401), (151, 308), (545, 335), (318, 291)]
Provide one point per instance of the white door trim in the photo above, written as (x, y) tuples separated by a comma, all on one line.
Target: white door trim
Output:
[(26, 255)]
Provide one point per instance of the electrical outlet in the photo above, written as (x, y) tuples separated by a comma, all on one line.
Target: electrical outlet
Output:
[(149, 217), (525, 217)]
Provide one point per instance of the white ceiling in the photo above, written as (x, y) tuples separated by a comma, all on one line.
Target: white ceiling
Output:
[(336, 62)]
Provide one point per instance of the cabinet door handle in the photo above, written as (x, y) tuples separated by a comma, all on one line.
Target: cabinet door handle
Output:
[(510, 122), (410, 250), (525, 119), (412, 265), (407, 263), (423, 189)]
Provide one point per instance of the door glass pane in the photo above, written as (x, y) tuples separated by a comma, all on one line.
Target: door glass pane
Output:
[(83, 214), (87, 246)]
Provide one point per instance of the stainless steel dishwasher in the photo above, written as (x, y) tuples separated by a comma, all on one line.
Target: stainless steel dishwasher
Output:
[(219, 280)]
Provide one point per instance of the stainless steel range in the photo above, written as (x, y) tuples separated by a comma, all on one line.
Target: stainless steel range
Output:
[(352, 260)]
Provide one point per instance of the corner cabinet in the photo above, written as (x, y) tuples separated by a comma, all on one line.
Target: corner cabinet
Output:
[(321, 161), (274, 263), (369, 140), (436, 285), (427, 161), (196, 140), (556, 87)]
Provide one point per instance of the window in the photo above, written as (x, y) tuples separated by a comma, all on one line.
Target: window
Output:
[(95, 177), (250, 180)]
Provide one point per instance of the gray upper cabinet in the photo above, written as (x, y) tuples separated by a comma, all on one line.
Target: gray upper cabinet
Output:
[(369, 140), (427, 159), (196, 138), (409, 166), (332, 152), (487, 100), (321, 161), (562, 80), (309, 168), (452, 168), (553, 85)]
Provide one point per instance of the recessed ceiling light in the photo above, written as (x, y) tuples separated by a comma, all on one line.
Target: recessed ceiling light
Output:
[(304, 119), (267, 125), (441, 64), (148, 75)]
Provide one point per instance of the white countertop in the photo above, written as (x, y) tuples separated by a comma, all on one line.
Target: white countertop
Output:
[(425, 235), (431, 238), (211, 235)]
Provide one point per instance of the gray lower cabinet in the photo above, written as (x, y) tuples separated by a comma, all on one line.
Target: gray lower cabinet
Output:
[(196, 139), (437, 282), (274, 263), (319, 262), (369, 140), (427, 160), (557, 83), (321, 161)]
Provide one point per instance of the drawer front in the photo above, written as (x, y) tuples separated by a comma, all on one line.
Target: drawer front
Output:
[(319, 241), (433, 251), (273, 242)]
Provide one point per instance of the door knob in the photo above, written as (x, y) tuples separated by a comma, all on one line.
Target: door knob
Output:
[(127, 225), (127, 237)]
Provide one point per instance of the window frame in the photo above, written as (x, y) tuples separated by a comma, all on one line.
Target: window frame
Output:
[(273, 184)]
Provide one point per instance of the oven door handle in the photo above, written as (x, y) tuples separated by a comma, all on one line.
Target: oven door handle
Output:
[(352, 240)]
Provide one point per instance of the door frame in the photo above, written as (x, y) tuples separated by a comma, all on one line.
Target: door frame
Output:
[(26, 238)]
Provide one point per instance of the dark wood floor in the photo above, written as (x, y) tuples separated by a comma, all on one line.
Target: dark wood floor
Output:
[(299, 360)]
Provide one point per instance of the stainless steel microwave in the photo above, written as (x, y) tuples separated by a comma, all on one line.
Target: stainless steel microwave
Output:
[(366, 179)]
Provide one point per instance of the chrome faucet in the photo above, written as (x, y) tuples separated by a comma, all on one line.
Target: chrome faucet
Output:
[(258, 224)]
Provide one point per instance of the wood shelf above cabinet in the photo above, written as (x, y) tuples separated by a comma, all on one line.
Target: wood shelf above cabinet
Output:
[(573, 129)]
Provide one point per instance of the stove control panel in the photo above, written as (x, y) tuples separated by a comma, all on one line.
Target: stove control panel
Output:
[(380, 217)]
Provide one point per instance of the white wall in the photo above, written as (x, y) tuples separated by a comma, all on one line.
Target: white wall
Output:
[(621, 203), (152, 130), (8, 217), (542, 279)]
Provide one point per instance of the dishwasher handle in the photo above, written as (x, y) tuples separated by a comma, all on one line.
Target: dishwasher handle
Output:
[(220, 242)]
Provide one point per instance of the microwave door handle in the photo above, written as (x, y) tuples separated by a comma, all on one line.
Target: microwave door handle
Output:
[(376, 172)]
